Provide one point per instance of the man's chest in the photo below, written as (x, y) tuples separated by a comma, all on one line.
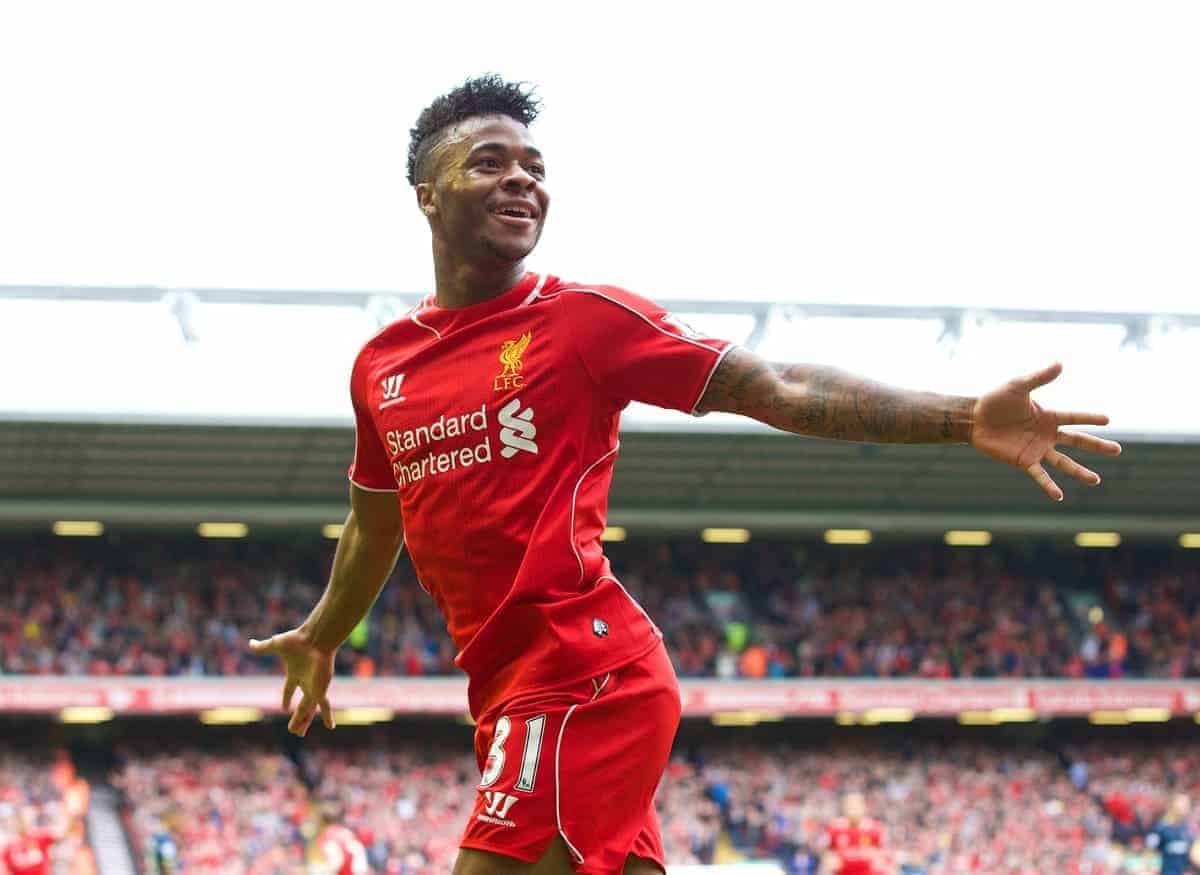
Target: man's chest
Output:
[(472, 399)]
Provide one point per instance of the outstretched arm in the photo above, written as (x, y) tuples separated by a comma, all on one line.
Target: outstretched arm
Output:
[(819, 401)]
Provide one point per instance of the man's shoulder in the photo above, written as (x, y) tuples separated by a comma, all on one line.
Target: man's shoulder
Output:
[(598, 304), (405, 332), (571, 291)]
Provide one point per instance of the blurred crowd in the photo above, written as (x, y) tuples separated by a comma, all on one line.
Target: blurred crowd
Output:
[(42, 806), (944, 809), (192, 811), (765, 609), (957, 808), (253, 812)]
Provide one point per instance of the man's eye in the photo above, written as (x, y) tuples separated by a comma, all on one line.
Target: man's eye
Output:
[(537, 170), (488, 162)]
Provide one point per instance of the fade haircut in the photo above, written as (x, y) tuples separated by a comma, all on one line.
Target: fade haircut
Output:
[(488, 94)]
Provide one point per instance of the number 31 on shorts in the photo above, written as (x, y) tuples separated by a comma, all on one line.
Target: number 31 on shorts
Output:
[(535, 731)]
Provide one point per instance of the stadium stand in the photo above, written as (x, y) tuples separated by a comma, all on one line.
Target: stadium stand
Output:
[(42, 806), (141, 607), (1001, 808)]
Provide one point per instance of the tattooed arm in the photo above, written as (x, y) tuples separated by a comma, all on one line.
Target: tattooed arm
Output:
[(1005, 424), (826, 402)]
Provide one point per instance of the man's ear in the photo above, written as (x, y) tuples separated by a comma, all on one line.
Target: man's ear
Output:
[(425, 199)]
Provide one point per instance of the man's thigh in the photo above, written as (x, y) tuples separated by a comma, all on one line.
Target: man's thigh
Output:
[(641, 866)]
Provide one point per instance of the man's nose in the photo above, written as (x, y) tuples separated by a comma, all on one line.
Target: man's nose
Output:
[(518, 179)]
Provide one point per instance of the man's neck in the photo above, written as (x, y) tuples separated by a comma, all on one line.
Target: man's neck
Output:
[(461, 284)]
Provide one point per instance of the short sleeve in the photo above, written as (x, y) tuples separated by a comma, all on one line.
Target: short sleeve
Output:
[(370, 468), (635, 350)]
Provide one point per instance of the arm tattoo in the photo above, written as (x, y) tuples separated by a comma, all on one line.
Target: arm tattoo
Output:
[(826, 402)]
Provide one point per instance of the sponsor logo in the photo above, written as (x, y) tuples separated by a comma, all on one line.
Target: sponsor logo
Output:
[(599, 627), (417, 453), (497, 805), (511, 352), (391, 390), (517, 430), (400, 441)]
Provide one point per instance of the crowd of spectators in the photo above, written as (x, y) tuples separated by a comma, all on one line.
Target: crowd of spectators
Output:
[(945, 808), (251, 811), (765, 609), (958, 808), (196, 811), (42, 805), (254, 811)]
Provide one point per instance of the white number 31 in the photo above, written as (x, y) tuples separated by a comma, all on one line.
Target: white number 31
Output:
[(535, 730)]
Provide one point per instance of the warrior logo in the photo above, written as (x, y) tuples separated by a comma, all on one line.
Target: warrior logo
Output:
[(499, 803), (391, 390)]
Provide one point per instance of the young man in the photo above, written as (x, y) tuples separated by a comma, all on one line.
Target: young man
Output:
[(1172, 840), (855, 841), (492, 410)]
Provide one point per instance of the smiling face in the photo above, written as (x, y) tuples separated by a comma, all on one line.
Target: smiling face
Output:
[(484, 192)]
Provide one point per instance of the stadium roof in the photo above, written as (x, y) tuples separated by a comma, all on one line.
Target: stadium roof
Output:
[(150, 405), (289, 476)]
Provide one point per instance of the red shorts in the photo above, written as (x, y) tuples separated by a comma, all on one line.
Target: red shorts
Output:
[(582, 762)]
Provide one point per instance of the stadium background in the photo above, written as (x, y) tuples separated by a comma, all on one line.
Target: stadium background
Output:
[(174, 432)]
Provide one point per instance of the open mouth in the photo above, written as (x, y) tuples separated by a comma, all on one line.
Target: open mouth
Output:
[(515, 215)]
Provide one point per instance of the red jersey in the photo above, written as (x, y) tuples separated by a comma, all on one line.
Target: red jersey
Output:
[(28, 854), (343, 853), (497, 425), (856, 844)]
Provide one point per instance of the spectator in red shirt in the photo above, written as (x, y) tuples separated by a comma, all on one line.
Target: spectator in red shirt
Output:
[(855, 841), (27, 850)]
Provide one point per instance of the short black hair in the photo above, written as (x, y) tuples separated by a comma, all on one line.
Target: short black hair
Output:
[(488, 94)]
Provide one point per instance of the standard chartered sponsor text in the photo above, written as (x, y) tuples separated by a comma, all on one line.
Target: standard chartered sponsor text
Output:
[(439, 462)]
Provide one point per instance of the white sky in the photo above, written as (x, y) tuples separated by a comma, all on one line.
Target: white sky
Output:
[(1020, 153)]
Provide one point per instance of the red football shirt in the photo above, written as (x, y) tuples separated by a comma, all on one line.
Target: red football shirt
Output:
[(856, 844), (344, 854), (497, 425), (28, 854)]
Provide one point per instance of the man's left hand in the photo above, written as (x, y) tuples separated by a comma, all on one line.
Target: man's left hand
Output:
[(1012, 428)]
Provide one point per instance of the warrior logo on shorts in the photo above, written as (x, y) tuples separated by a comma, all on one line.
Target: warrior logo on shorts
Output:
[(510, 357), (599, 627), (497, 805)]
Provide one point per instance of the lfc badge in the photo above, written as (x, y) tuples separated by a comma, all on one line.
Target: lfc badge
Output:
[(511, 352)]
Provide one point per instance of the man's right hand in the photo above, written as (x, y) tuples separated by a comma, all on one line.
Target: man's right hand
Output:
[(309, 669)]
